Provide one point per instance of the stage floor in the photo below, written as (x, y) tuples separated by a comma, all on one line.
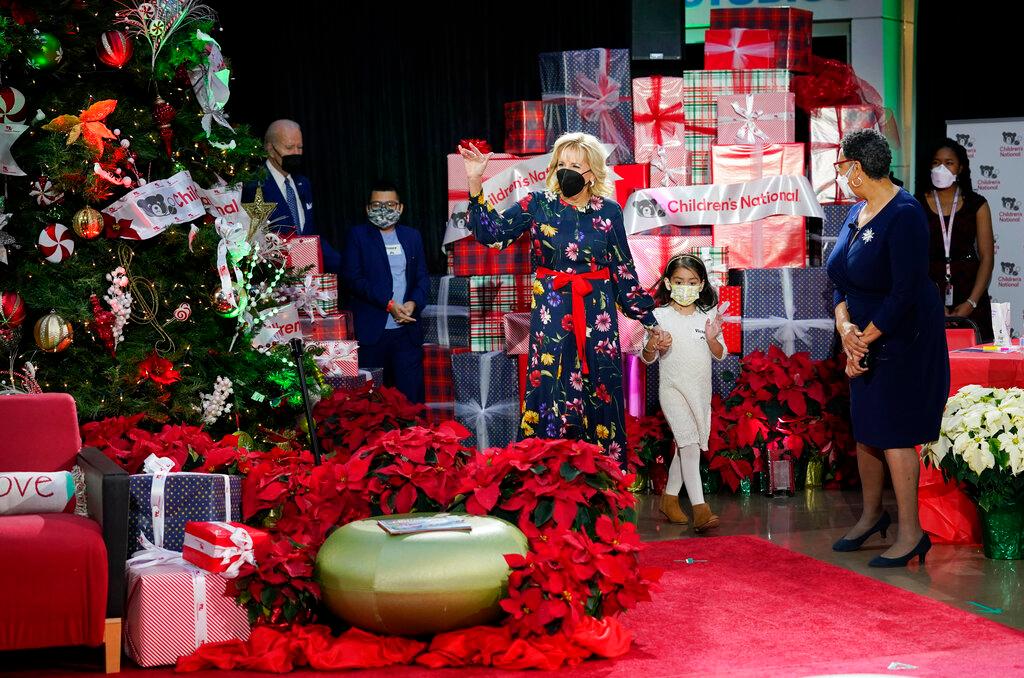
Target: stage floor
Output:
[(809, 522)]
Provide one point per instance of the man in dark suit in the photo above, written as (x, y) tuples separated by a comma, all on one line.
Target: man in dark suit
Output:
[(385, 272), (288, 189)]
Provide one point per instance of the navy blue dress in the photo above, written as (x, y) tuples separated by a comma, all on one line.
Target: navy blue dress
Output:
[(882, 275)]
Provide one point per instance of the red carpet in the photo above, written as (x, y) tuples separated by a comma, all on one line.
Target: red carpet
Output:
[(754, 609)]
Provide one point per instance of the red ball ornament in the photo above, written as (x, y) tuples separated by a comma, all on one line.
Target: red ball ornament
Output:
[(114, 48), (12, 310)]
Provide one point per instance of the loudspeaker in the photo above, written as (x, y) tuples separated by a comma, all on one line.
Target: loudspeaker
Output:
[(658, 27)]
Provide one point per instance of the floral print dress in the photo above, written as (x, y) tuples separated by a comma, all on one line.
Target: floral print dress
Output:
[(584, 270)]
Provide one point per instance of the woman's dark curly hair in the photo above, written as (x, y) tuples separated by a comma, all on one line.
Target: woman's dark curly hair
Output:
[(870, 149), (708, 297)]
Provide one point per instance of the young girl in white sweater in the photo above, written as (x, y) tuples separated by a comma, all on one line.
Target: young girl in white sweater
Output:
[(687, 309)]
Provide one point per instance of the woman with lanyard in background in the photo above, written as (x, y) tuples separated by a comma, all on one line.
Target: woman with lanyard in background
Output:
[(961, 243)]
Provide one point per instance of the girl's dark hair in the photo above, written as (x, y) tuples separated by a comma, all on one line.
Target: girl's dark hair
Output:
[(963, 179), (708, 298)]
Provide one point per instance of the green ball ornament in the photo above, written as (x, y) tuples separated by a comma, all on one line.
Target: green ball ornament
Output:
[(223, 307), (45, 53)]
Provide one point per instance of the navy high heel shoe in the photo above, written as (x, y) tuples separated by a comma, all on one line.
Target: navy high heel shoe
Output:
[(881, 526), (920, 550)]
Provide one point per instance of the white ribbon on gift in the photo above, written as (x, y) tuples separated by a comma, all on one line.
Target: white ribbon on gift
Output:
[(789, 329), (659, 161), (740, 53), (160, 468), (749, 132), (334, 352), (307, 296), (234, 240), (477, 415), (728, 318), (825, 240), (232, 556), (442, 311)]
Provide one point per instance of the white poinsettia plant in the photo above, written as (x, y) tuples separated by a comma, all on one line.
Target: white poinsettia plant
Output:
[(981, 444)]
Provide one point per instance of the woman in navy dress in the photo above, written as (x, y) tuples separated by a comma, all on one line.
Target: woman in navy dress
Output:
[(583, 271), (890, 317)]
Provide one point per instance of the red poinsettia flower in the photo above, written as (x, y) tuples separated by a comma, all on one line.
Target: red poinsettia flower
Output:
[(731, 470), (159, 370)]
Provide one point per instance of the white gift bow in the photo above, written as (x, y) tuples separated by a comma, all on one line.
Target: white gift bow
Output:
[(740, 54), (443, 311), (788, 329), (335, 351), (307, 295), (477, 415), (233, 240), (660, 162), (160, 467), (749, 132), (232, 556)]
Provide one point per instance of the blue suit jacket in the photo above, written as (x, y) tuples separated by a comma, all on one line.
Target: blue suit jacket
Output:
[(281, 218), (367, 276)]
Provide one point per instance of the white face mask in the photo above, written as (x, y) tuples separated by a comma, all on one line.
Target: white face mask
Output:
[(843, 180), (684, 295), (942, 177)]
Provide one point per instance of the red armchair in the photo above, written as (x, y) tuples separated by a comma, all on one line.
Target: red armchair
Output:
[(61, 575)]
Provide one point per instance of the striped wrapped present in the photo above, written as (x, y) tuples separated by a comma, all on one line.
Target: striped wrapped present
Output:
[(490, 298), (757, 118)]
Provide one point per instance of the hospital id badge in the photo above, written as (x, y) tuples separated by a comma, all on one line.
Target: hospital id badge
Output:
[(949, 295)]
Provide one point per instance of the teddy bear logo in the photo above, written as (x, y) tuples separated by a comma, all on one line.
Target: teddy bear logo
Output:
[(155, 206), (648, 209), (1010, 203), (965, 140), (459, 220), (989, 171), (1009, 267), (1011, 138)]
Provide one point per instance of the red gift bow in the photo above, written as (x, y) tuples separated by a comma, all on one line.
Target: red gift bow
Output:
[(581, 287), (661, 118), (481, 144)]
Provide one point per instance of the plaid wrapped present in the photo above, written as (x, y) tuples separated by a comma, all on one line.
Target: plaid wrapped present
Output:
[(716, 261), (469, 258), (445, 319), (791, 28), (738, 163), (828, 126), (438, 382), (671, 167), (332, 327), (757, 118), (657, 115), (487, 397), (773, 242), (302, 252), (343, 382), (652, 252), (739, 49), (328, 284), (701, 91), (788, 307), (724, 373), (730, 307), (589, 91), (633, 177), (517, 333), (339, 358), (490, 298), (524, 127), (184, 497)]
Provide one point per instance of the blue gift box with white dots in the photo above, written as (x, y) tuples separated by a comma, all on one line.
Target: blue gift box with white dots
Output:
[(187, 497)]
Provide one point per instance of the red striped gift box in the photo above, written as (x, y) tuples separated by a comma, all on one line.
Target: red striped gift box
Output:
[(671, 167), (222, 548), (774, 242), (524, 127), (828, 126), (757, 118), (739, 163), (517, 333), (791, 27), (339, 358), (303, 254)]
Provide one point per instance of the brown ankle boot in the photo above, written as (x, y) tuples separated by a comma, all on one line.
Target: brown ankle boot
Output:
[(670, 509), (703, 518)]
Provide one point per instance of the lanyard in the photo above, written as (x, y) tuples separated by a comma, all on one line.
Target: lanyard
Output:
[(947, 233)]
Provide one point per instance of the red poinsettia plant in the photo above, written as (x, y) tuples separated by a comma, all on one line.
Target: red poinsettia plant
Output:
[(351, 418), (781, 407), (650, 449)]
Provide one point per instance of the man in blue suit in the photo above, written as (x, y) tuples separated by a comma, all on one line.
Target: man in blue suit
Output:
[(385, 272), (288, 189)]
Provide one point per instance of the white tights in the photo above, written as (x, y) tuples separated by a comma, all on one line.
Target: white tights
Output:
[(685, 469)]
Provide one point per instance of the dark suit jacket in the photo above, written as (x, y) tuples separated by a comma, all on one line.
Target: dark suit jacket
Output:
[(367, 276), (281, 218)]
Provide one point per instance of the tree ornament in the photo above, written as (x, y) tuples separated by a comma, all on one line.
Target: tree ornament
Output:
[(223, 305), (12, 105), (103, 323), (183, 312), (10, 337), (156, 22), (12, 310), (6, 239), (53, 333), (9, 133), (215, 405), (45, 53), (88, 125), (163, 113), (120, 301), (56, 243), (43, 191), (87, 223), (158, 370), (114, 48)]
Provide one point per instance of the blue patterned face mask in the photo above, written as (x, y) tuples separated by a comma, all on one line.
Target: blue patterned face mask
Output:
[(383, 217)]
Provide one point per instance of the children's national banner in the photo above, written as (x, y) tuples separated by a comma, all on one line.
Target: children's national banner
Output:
[(995, 149)]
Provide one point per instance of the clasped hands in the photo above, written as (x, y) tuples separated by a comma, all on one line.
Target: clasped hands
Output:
[(402, 313), (658, 340), (855, 348)]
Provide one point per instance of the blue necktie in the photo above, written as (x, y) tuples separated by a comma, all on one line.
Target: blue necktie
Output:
[(293, 205)]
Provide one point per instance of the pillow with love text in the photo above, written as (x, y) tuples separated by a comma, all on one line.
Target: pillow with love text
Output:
[(37, 492)]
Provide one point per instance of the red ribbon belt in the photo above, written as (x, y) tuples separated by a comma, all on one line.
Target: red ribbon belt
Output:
[(581, 287)]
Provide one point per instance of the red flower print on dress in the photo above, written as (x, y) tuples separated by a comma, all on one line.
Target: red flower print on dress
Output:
[(603, 394), (524, 204), (603, 225), (567, 323), (535, 378), (576, 380)]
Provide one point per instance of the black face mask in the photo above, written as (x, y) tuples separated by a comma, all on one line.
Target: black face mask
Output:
[(291, 163), (570, 182)]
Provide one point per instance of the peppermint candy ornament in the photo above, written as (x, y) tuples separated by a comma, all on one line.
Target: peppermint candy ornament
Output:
[(43, 191), (12, 105), (56, 243)]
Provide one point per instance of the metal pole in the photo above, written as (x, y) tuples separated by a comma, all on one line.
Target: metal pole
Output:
[(298, 351)]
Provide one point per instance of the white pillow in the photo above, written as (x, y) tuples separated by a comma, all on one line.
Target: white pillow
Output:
[(36, 492)]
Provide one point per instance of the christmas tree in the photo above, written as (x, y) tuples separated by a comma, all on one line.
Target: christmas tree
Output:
[(130, 276)]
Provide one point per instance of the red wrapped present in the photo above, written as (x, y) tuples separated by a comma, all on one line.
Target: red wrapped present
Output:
[(524, 127), (739, 49), (775, 242), (730, 307), (828, 126), (757, 118), (946, 512), (791, 28), (739, 163), (470, 258), (658, 116), (303, 251), (222, 548), (333, 327), (491, 297), (671, 167), (633, 177), (517, 333), (339, 358), (652, 252), (458, 182), (173, 607)]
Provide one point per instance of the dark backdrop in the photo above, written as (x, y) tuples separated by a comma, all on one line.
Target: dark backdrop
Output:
[(388, 89)]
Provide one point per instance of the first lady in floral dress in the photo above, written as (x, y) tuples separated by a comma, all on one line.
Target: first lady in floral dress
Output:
[(583, 271)]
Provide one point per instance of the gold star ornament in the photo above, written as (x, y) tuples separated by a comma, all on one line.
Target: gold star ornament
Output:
[(259, 210)]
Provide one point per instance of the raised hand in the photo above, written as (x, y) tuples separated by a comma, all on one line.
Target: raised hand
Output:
[(713, 327), (475, 161)]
